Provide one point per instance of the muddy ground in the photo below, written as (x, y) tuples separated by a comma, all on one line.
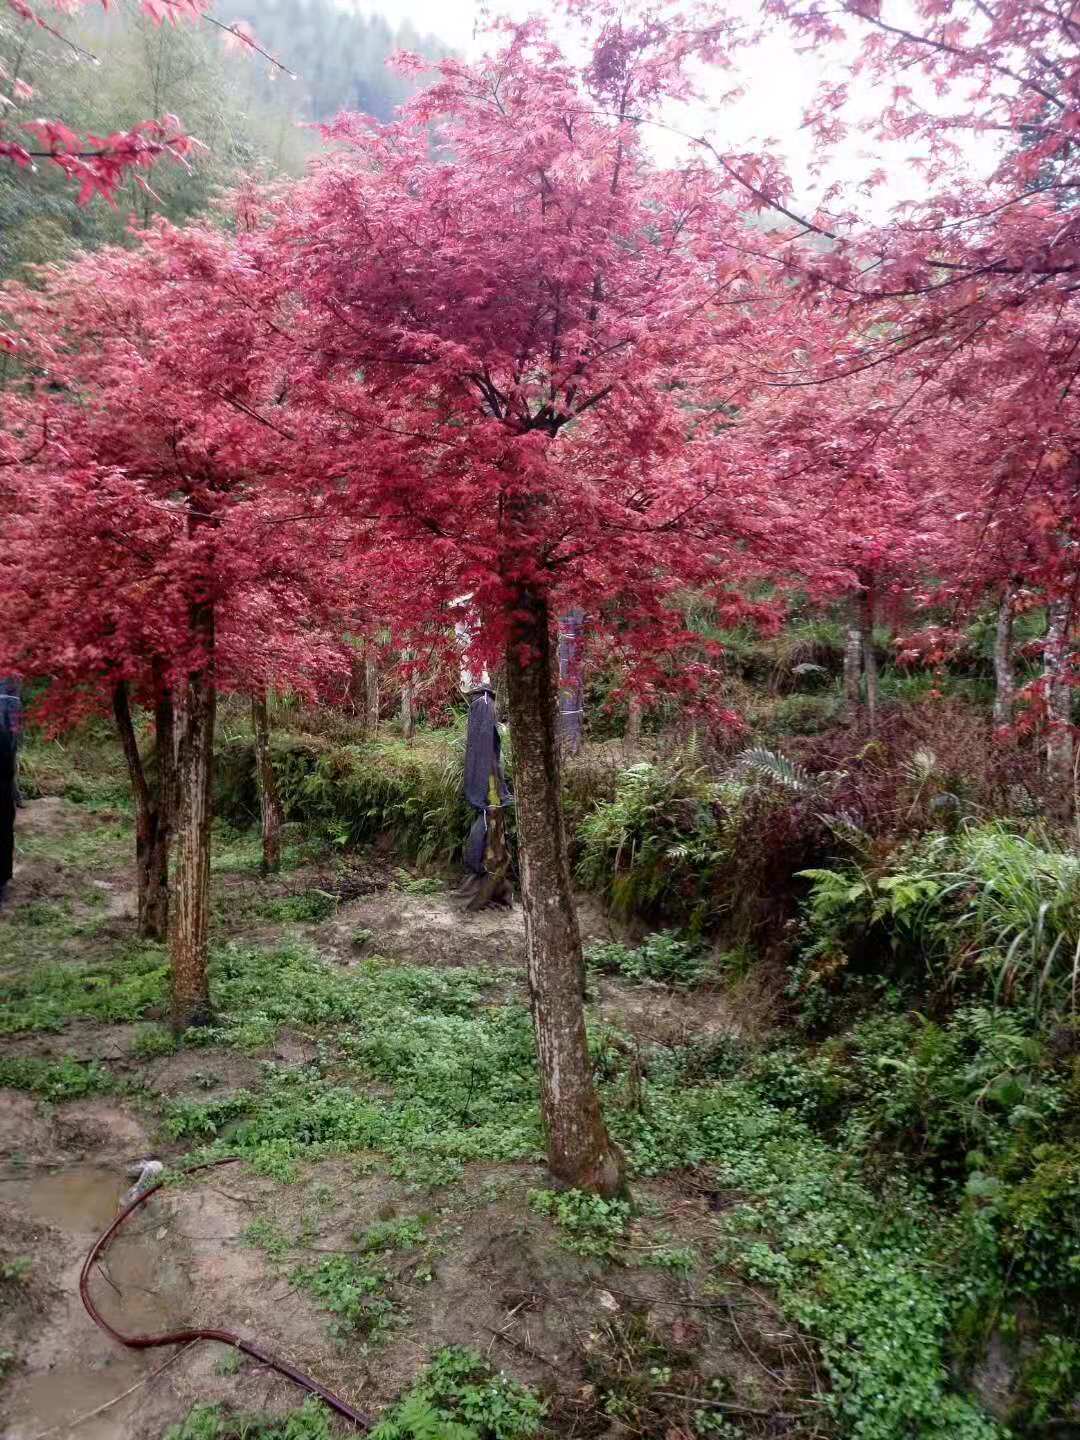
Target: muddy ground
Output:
[(492, 1273)]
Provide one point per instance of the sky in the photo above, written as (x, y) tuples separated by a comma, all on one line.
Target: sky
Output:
[(778, 84)]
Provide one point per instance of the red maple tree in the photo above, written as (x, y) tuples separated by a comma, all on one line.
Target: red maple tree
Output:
[(516, 334), (152, 549)]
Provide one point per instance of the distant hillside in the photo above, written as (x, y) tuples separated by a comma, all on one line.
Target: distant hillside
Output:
[(246, 113), (339, 56)]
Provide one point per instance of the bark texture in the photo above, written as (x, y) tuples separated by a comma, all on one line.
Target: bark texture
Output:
[(408, 709), (371, 696), (853, 669), (151, 814), (1059, 737), (580, 1152), (633, 722), (869, 659), (189, 901), (1004, 675), (269, 796)]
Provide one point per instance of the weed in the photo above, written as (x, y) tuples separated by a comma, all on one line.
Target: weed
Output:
[(63, 1079), (241, 852), (268, 1237), (351, 794), (1050, 1381), (459, 1398), (153, 1041), (652, 848), (590, 1225), (680, 1259), (661, 956), (15, 1271), (418, 884), (353, 1291), (357, 1289), (200, 1119), (309, 907), (427, 1172), (985, 908), (210, 1422), (86, 847)]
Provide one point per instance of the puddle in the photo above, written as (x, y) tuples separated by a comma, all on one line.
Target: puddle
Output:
[(138, 1287), (81, 1199), (40, 1402)]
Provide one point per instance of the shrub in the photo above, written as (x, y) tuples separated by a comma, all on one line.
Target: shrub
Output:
[(354, 793), (803, 714), (654, 848), (661, 956), (985, 909)]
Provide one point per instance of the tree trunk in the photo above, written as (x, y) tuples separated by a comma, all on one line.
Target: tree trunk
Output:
[(408, 713), (1004, 679), (571, 685), (165, 765), (151, 828), (632, 736), (580, 1153), (853, 669), (269, 798), (371, 696), (189, 901), (1059, 741), (869, 659)]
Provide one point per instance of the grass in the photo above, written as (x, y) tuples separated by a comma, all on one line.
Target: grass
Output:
[(120, 986), (92, 846), (63, 1079), (240, 851)]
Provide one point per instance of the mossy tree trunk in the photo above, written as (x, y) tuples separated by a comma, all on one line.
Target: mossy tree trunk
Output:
[(189, 900), (580, 1152), (269, 796)]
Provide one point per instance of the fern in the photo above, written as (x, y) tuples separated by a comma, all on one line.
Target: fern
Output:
[(772, 767)]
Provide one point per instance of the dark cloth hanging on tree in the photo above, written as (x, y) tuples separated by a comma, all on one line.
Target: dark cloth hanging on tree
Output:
[(11, 720), (11, 706), (483, 758), (7, 805)]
